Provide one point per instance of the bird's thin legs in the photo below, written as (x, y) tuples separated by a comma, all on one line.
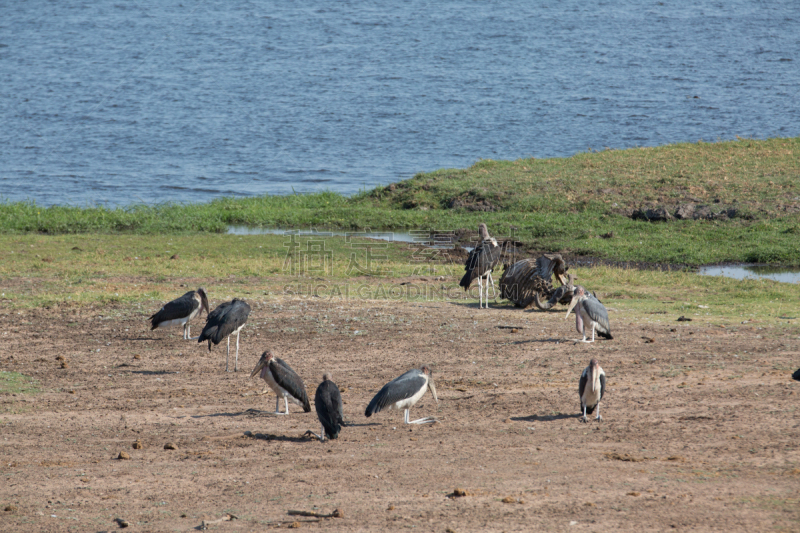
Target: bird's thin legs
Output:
[(494, 292), (236, 364), (286, 404), (427, 420), (583, 418), (593, 326), (480, 294), (278, 406), (598, 417), (229, 353)]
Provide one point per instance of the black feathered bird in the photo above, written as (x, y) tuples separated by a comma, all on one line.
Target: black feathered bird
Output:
[(228, 318), (180, 311), (283, 380), (796, 375), (328, 404), (480, 262), (403, 392)]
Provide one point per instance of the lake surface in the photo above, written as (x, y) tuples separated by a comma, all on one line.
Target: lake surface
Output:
[(117, 103)]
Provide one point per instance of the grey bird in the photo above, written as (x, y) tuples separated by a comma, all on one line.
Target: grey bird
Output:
[(480, 262), (591, 388), (589, 313), (283, 380), (180, 311), (228, 318), (328, 404), (403, 392)]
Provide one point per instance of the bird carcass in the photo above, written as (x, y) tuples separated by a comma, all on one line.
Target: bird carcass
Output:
[(524, 280)]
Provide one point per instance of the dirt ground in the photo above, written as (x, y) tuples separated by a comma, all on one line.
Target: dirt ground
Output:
[(700, 423)]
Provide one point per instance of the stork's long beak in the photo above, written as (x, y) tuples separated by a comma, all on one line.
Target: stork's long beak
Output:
[(259, 366), (432, 387), (572, 304), (205, 305), (594, 376)]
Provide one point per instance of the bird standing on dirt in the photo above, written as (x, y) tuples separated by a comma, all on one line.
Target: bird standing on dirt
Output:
[(591, 388), (228, 318), (328, 404), (480, 262), (283, 380), (403, 392), (589, 312), (180, 311)]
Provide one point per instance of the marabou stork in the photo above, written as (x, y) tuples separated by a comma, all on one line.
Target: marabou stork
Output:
[(591, 388), (228, 318), (328, 403), (589, 312), (181, 311), (480, 262), (283, 380), (796, 375), (403, 392)]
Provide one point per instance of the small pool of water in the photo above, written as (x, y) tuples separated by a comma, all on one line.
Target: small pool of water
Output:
[(419, 237), (745, 271)]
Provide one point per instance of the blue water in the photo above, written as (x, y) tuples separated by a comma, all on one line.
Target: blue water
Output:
[(116, 102)]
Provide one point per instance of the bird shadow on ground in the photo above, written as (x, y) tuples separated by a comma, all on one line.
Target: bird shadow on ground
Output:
[(214, 415), (541, 341), (280, 438), (542, 418)]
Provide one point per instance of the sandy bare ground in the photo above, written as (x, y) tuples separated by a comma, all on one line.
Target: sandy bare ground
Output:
[(700, 427)]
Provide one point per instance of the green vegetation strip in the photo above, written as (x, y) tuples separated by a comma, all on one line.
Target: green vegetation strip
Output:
[(139, 273), (581, 205), (16, 383)]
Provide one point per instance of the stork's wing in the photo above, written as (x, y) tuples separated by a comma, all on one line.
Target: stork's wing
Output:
[(400, 388), (328, 403), (582, 382), (602, 384), (289, 380), (481, 260), (796, 375), (177, 308), (224, 320), (597, 312)]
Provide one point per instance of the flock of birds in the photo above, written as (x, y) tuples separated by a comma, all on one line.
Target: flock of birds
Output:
[(402, 392)]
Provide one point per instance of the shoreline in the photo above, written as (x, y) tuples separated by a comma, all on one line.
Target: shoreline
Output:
[(694, 204)]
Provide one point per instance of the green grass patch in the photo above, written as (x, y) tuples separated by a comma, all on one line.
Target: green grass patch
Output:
[(16, 383), (559, 204), (136, 274)]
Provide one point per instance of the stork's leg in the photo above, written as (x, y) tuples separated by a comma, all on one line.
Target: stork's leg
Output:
[(229, 353), (286, 404), (583, 418), (494, 292), (593, 326), (278, 406), (427, 420), (236, 364), (480, 294), (188, 331), (184, 330), (598, 417)]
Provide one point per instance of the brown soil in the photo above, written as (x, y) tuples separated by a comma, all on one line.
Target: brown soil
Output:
[(700, 426)]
